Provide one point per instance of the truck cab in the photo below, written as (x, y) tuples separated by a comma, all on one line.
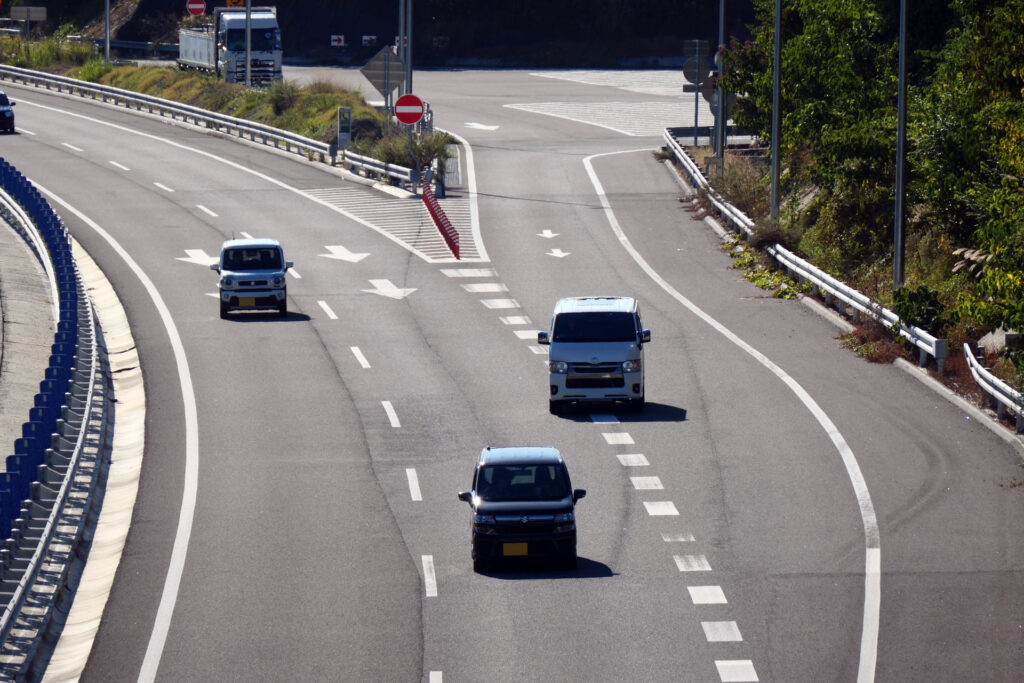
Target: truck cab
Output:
[(596, 352)]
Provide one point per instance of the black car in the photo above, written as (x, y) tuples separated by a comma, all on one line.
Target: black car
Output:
[(523, 506), (6, 113)]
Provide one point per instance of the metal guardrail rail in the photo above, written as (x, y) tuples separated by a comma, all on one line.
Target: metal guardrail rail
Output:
[(60, 460), (926, 343), (221, 123), (1005, 397)]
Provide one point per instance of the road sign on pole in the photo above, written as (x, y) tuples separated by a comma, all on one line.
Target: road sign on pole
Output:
[(195, 7), (384, 71), (409, 109)]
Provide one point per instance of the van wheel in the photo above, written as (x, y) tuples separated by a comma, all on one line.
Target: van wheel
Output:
[(636, 405), (555, 407)]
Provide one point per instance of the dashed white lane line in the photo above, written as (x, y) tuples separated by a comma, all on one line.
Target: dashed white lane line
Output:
[(468, 272), (429, 577), (414, 484), (692, 563), (392, 415), (647, 483), (435, 677), (515, 320), (485, 288), (618, 438), (206, 211), (707, 595), (120, 166), (721, 631), (327, 309), (72, 147), (661, 508), (736, 671), (633, 459), (539, 350), (527, 334), (604, 418), (678, 538), (500, 303), (163, 187), (360, 357)]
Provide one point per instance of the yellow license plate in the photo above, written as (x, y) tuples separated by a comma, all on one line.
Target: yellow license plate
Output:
[(513, 549), (246, 301)]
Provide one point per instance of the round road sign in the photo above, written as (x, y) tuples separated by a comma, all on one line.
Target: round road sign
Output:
[(409, 109), (195, 7)]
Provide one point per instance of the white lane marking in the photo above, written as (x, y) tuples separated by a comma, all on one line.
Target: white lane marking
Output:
[(163, 187), (435, 677), (25, 131), (721, 631), (392, 415), (604, 418), (646, 483), (677, 538), (429, 577), (707, 595), (327, 310), (176, 565), (527, 334), (558, 253), (206, 211), (360, 357), (736, 671), (468, 272), (388, 289), (547, 234), (499, 303), (246, 235), (474, 212), (661, 508), (692, 563), (72, 147), (633, 459), (485, 288), (414, 483), (515, 320), (618, 438), (341, 253), (198, 257), (539, 350), (869, 520), (480, 126), (294, 273), (120, 166)]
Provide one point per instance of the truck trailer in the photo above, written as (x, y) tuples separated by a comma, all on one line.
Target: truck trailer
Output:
[(219, 47)]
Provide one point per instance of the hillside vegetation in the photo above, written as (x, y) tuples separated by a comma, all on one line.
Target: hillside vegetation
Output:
[(964, 256)]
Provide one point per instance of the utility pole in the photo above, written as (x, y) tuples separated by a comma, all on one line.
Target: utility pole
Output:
[(776, 78)]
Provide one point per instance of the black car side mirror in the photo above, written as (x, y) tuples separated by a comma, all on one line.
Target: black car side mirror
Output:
[(466, 496), (577, 494)]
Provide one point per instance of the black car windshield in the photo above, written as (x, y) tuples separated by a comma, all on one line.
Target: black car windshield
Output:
[(594, 327), (522, 482), (252, 258)]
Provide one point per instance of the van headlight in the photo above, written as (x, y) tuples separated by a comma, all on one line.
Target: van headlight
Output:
[(631, 366), (558, 367), (278, 280), (227, 283)]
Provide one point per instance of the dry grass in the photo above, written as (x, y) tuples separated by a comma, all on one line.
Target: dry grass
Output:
[(874, 343)]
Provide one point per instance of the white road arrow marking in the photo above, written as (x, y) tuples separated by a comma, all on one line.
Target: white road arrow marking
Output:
[(386, 288), (199, 257), (547, 234), (558, 253), (480, 126), (342, 254)]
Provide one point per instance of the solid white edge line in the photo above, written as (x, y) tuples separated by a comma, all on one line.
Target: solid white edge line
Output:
[(175, 568), (872, 582), (474, 215), (429, 577)]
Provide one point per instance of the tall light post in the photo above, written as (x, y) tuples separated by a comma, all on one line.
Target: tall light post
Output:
[(776, 78), (106, 31), (901, 139), (248, 43)]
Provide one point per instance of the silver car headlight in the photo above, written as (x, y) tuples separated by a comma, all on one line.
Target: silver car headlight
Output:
[(631, 366), (227, 283), (559, 367)]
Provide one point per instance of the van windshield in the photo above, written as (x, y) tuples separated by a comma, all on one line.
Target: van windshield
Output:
[(252, 258), (594, 327), (522, 482)]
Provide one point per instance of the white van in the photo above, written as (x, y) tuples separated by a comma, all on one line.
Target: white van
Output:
[(596, 351)]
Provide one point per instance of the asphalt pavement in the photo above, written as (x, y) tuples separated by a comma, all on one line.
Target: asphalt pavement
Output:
[(26, 332)]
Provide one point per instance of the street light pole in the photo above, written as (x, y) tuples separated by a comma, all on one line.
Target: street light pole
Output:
[(776, 77), (248, 43), (901, 139), (106, 31)]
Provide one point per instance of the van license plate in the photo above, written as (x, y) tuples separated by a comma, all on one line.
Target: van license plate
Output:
[(514, 549), (246, 301)]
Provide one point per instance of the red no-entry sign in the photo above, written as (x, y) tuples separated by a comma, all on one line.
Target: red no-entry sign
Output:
[(195, 7), (408, 109)]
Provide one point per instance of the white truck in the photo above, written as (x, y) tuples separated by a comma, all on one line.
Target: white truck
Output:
[(219, 47)]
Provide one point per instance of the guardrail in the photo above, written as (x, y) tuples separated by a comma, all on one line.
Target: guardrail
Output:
[(926, 343), (221, 123), (1001, 393), (46, 492)]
